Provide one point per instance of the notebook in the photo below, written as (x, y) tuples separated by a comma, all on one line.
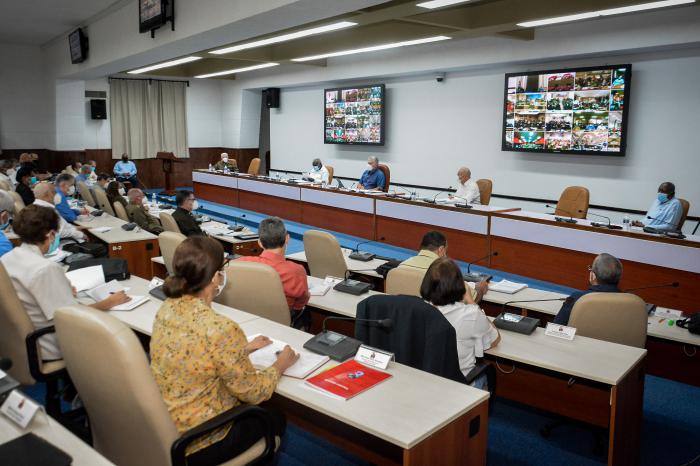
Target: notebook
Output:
[(31, 450), (505, 286), (305, 365), (347, 380)]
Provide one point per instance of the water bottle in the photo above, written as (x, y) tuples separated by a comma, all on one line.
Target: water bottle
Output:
[(323, 184), (626, 223), (153, 200), (211, 168)]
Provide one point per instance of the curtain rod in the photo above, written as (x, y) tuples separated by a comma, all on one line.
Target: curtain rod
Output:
[(151, 79)]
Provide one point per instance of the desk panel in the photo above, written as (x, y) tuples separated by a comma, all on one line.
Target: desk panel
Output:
[(338, 211), (434, 216), (226, 181), (220, 194), (269, 188), (287, 209)]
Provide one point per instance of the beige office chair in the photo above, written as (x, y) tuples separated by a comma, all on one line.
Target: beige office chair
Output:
[(168, 241), (330, 173), (485, 190), (255, 288), (254, 167), (387, 176), (615, 317), (18, 201), (129, 420), (573, 202), (102, 202), (169, 223), (686, 207), (120, 211), (85, 194), (404, 280), (323, 254), (5, 186), (69, 170)]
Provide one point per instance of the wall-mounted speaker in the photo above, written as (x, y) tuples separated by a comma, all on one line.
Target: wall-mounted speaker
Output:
[(98, 109), (272, 97)]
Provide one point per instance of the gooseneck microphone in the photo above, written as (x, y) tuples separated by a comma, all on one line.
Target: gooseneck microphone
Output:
[(433, 200), (466, 204), (649, 287), (562, 219), (507, 303), (476, 276), (381, 323), (357, 246), (363, 256)]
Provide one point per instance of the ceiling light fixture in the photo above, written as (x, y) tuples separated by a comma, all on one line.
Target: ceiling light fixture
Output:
[(608, 12), (166, 64), (440, 3), (374, 48), (285, 37), (237, 70)]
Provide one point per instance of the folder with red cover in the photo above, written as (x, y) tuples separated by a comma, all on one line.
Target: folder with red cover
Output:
[(347, 379)]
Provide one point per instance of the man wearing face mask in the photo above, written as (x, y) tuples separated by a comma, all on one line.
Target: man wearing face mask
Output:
[(665, 212), (186, 203), (125, 170), (226, 164), (25, 180), (65, 187), (46, 196), (137, 213), (467, 189), (319, 173), (84, 176), (373, 177), (7, 206), (93, 171)]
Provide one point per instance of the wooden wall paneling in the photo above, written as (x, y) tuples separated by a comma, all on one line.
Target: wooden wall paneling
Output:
[(288, 209), (341, 220)]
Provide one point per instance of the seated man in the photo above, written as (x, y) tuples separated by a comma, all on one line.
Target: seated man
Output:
[(26, 179), (137, 213), (7, 207), (186, 203), (93, 171), (319, 172), (125, 170), (45, 194), (373, 177), (467, 189), (226, 164), (103, 180), (665, 212), (84, 176), (603, 275), (65, 187), (273, 240)]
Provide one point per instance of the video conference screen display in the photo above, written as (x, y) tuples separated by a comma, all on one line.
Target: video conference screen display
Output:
[(575, 111), (354, 115)]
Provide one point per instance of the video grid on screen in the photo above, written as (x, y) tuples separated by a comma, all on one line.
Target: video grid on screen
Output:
[(354, 115)]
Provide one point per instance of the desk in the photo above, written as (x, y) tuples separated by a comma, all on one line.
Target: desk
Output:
[(360, 267)]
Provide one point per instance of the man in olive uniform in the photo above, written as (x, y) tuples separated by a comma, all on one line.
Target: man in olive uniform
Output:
[(226, 164), (137, 213)]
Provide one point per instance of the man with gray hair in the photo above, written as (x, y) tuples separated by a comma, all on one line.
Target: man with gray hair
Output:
[(7, 207), (373, 177), (273, 240), (137, 212), (45, 196), (467, 189), (226, 164), (603, 275)]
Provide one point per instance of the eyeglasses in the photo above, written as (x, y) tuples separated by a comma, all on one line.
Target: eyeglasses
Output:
[(590, 268)]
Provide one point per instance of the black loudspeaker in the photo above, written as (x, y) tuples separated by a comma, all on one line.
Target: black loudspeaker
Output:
[(272, 97), (98, 109)]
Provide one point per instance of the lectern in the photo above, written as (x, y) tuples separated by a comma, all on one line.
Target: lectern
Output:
[(168, 158)]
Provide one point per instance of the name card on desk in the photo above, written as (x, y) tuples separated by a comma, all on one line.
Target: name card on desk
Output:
[(373, 357), (560, 331), (19, 408)]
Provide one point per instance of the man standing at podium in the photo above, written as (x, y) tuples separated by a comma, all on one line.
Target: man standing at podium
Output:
[(373, 177), (226, 164), (125, 170)]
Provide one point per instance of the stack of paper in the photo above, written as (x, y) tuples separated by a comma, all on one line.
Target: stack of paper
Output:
[(305, 365), (319, 289), (103, 292), (86, 278), (505, 286)]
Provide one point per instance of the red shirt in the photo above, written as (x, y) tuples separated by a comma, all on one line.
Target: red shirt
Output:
[(293, 277)]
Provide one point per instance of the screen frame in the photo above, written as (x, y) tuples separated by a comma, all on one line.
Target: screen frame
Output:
[(382, 139), (156, 21), (625, 111)]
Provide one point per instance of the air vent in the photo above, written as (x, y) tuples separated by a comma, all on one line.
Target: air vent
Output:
[(96, 94)]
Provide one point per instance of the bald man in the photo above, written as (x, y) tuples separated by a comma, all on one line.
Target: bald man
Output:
[(226, 164), (46, 196), (137, 212), (467, 189), (373, 177), (665, 212)]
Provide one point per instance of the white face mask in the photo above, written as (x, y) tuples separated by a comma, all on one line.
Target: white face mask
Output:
[(370, 167), (220, 288), (71, 191), (195, 205), (56, 199), (224, 159), (121, 191)]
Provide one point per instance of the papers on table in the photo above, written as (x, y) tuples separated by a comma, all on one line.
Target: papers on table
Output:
[(505, 286), (305, 365), (100, 230), (103, 291), (58, 256), (132, 304), (86, 278), (318, 289)]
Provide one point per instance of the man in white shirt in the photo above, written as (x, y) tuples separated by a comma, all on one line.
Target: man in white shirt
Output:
[(319, 173), (44, 193), (467, 189)]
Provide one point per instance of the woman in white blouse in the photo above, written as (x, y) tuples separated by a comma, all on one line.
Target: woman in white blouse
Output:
[(443, 286)]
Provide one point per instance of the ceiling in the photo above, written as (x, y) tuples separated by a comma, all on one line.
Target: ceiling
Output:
[(395, 21), (35, 22)]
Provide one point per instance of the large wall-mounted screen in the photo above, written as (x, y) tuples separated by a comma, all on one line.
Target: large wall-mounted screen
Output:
[(354, 115), (567, 111)]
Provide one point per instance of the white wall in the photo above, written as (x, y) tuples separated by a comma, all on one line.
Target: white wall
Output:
[(204, 113)]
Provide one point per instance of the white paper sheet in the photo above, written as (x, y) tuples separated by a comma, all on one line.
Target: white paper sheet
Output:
[(86, 278)]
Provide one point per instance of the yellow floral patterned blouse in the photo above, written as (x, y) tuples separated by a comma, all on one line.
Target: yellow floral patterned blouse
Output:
[(199, 361)]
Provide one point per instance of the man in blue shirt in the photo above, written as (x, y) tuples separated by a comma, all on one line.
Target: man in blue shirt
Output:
[(603, 275), (665, 212), (125, 170), (7, 205), (373, 177), (65, 187), (84, 176)]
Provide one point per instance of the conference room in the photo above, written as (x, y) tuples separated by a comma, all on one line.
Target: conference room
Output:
[(368, 232)]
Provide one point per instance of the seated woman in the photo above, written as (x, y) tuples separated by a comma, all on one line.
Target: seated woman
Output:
[(41, 284), (444, 288), (115, 193), (200, 358)]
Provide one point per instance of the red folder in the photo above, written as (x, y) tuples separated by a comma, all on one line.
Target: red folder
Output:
[(347, 380)]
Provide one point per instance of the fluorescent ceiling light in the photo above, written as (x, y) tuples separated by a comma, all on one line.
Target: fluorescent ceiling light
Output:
[(608, 12), (167, 64), (373, 48), (440, 3), (286, 37), (237, 70)]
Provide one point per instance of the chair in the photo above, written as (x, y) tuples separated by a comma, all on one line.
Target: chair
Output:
[(5, 186), (243, 291), (169, 223), (18, 200), (323, 255), (686, 207), (387, 176), (254, 167), (573, 202), (69, 170), (129, 420), (168, 241), (102, 202), (85, 194), (19, 342), (485, 190), (120, 211), (616, 317), (330, 173), (404, 280)]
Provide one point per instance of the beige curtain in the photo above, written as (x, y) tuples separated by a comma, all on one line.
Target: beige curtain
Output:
[(148, 117)]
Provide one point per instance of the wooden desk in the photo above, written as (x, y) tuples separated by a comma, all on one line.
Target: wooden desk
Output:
[(338, 210)]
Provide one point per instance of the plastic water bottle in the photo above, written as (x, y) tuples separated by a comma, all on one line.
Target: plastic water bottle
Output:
[(626, 223), (211, 168), (154, 201)]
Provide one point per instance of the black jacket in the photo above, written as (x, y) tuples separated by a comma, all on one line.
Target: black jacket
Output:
[(26, 193), (420, 337), (562, 317), (188, 225)]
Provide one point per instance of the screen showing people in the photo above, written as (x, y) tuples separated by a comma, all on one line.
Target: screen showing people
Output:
[(579, 111), (354, 115)]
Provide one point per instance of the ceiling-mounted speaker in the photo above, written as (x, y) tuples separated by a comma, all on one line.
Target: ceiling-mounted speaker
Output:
[(98, 109), (272, 97)]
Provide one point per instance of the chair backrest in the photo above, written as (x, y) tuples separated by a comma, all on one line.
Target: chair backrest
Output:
[(70, 171), (120, 211), (254, 167), (686, 207), (330, 173), (129, 420), (485, 189), (15, 325), (245, 282), (404, 280), (19, 202), (169, 223), (85, 194), (617, 317), (323, 254), (168, 241), (573, 202), (102, 202), (5, 185), (387, 176)]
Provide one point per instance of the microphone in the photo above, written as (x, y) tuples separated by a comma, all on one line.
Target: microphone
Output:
[(476, 276), (352, 186), (561, 219), (411, 194), (236, 226), (363, 256), (381, 323), (357, 246), (648, 287), (466, 204), (433, 200)]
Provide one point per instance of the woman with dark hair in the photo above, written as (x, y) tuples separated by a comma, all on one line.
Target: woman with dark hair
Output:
[(443, 287), (199, 358), (115, 193)]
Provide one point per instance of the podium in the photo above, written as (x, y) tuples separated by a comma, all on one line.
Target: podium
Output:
[(168, 159)]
